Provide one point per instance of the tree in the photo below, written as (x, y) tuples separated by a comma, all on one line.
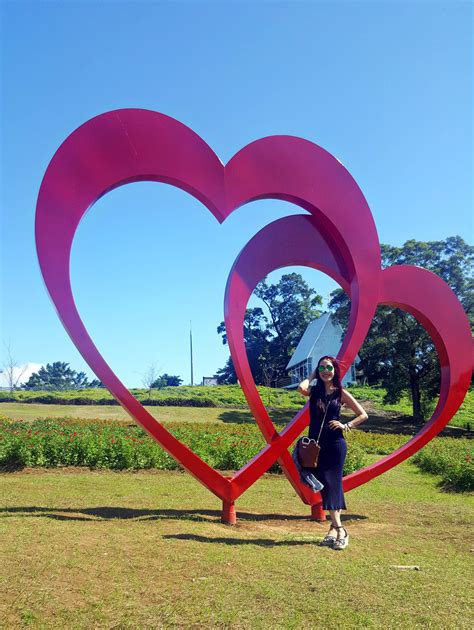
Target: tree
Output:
[(153, 380), (168, 380), (96, 384), (11, 370), (226, 375), (56, 376), (149, 378), (257, 339), (398, 353), (271, 340)]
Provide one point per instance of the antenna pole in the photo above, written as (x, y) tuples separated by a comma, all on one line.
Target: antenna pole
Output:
[(191, 349)]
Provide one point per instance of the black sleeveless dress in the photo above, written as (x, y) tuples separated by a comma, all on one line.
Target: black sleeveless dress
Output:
[(333, 452)]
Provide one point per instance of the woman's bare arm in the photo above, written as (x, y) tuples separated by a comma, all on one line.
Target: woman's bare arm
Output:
[(304, 387), (361, 415)]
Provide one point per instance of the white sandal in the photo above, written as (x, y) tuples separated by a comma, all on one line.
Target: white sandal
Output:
[(341, 543), (328, 541)]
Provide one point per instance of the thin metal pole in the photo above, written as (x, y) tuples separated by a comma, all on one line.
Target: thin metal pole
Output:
[(191, 348)]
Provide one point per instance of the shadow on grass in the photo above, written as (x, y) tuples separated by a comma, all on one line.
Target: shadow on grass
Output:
[(261, 542), (111, 513), (237, 416), (392, 423), (386, 422)]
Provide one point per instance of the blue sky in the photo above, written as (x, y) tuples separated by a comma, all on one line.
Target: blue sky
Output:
[(386, 87)]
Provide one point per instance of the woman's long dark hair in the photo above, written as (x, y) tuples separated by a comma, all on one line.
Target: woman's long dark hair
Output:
[(318, 391)]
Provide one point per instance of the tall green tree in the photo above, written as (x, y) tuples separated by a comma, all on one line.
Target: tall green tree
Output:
[(57, 376), (96, 384), (271, 335), (257, 342), (398, 353), (167, 380)]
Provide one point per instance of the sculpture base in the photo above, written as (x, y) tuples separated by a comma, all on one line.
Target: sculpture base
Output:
[(229, 516), (317, 512)]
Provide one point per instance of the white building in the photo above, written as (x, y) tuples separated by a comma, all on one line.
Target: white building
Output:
[(209, 381), (322, 337)]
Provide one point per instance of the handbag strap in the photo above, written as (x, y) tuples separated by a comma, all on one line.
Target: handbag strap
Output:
[(324, 418)]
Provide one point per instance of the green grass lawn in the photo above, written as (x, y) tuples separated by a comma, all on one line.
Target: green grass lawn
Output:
[(229, 401), (105, 413), (379, 421), (86, 549)]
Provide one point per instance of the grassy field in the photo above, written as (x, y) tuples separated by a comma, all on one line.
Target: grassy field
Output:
[(223, 396), (146, 550), (227, 404), (379, 421), (30, 412)]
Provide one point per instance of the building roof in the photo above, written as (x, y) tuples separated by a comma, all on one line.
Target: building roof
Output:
[(310, 338)]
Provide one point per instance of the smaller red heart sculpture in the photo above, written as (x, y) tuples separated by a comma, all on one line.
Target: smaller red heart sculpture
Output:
[(296, 241)]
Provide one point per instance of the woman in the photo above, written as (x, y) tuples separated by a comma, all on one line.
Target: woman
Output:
[(326, 397)]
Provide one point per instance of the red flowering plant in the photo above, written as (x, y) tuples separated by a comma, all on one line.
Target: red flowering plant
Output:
[(223, 446)]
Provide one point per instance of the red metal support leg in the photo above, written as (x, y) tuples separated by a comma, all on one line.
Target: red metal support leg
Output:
[(229, 516), (317, 512)]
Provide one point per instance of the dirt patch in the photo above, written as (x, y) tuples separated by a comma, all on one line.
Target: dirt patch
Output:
[(281, 525)]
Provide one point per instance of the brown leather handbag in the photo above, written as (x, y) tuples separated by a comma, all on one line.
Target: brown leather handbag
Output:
[(308, 452), (309, 449)]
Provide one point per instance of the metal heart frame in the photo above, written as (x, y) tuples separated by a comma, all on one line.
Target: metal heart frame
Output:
[(338, 236)]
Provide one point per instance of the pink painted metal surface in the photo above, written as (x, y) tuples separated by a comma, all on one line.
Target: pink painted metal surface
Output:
[(338, 237)]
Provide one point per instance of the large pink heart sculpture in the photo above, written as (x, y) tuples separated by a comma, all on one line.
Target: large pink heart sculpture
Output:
[(338, 237)]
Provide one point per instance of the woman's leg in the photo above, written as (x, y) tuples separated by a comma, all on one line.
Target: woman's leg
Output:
[(341, 532), (330, 537), (334, 479), (335, 516)]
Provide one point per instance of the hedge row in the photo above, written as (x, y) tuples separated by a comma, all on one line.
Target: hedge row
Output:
[(227, 396), (55, 399), (52, 443)]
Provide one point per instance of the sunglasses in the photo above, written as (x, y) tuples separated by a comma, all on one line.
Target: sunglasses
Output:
[(322, 368)]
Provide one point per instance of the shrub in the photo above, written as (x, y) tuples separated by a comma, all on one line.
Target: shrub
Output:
[(377, 443), (225, 447), (60, 443), (355, 460), (451, 458)]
